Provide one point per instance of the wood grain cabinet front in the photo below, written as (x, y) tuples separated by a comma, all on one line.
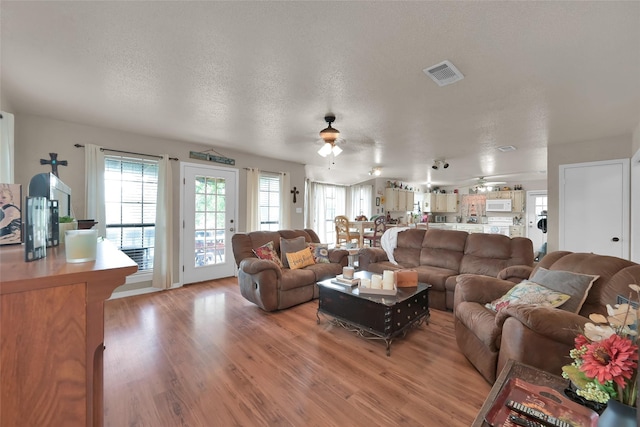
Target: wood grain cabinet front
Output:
[(52, 336)]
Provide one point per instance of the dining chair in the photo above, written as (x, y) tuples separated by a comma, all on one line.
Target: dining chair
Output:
[(343, 233), (379, 227)]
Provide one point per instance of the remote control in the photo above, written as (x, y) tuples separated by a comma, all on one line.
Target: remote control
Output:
[(519, 421), (543, 418)]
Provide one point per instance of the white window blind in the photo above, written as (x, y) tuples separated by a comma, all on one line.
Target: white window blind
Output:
[(131, 187), (269, 202)]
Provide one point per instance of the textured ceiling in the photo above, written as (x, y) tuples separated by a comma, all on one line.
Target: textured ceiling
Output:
[(260, 76)]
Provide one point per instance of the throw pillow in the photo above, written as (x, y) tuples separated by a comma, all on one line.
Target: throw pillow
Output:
[(320, 252), (300, 259), (288, 246), (267, 252), (527, 292), (573, 284)]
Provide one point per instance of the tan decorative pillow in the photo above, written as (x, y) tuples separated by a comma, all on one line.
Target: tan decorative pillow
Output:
[(300, 259), (289, 246), (267, 252), (527, 292)]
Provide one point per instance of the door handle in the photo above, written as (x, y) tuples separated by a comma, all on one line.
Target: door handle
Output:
[(615, 239)]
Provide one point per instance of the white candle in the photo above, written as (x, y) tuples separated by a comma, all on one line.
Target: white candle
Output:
[(365, 283), (347, 272), (387, 279), (376, 281), (81, 245)]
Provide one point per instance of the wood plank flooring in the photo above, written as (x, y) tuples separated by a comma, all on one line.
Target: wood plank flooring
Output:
[(202, 355)]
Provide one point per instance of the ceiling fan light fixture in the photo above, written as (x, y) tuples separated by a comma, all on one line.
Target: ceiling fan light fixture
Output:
[(336, 150), (329, 134), (325, 150), (375, 171)]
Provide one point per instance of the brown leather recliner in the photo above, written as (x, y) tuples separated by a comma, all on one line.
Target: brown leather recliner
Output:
[(271, 287), (538, 336)]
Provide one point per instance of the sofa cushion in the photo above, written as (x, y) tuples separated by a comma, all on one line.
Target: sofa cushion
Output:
[(574, 284), (292, 279), (267, 252), (528, 292), (287, 246), (434, 276), (300, 259), (320, 252), (443, 248)]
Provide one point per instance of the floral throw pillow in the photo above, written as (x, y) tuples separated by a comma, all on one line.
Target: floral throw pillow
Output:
[(300, 259), (320, 252), (267, 252), (528, 292)]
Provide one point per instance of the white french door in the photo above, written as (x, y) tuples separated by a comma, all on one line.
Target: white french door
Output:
[(209, 206), (536, 207)]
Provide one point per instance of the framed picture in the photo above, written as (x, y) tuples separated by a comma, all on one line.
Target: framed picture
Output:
[(36, 228), (377, 201), (10, 214)]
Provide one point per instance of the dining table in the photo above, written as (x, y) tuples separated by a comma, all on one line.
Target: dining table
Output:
[(361, 226)]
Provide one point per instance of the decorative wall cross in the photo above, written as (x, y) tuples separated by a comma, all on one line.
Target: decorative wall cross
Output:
[(54, 162), (294, 192)]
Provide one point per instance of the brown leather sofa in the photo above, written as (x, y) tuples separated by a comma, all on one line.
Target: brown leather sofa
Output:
[(439, 256), (271, 287), (534, 335)]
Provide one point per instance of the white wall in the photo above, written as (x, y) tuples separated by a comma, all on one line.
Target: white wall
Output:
[(36, 137)]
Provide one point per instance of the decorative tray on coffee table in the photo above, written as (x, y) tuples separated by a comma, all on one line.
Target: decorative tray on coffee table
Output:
[(371, 291), (341, 280), (541, 400)]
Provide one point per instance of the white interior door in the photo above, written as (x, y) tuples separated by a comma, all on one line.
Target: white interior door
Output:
[(209, 206), (536, 204), (594, 208)]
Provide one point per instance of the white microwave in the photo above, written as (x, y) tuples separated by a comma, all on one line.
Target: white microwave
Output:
[(498, 205)]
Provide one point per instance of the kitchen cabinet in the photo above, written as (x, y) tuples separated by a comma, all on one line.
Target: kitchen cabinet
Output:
[(439, 202), (517, 198), (516, 231), (398, 200)]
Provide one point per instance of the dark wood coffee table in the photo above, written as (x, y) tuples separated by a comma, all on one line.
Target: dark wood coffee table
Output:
[(383, 317)]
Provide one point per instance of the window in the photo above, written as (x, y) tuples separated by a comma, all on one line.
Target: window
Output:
[(269, 202), (131, 187)]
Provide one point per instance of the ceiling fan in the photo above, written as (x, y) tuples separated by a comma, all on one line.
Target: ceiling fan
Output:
[(329, 135), (483, 185)]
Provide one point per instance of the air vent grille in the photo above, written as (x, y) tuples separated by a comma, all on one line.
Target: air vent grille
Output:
[(444, 73)]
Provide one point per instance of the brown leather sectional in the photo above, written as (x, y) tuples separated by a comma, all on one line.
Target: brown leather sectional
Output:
[(271, 287), (439, 256), (538, 336)]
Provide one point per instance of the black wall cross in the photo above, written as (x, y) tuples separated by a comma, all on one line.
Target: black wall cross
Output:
[(294, 192), (54, 162)]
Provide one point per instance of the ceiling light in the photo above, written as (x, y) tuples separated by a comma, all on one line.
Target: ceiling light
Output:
[(506, 148), (375, 171), (437, 163), (329, 136)]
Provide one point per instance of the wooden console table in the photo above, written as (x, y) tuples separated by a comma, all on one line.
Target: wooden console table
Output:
[(51, 335), (525, 372)]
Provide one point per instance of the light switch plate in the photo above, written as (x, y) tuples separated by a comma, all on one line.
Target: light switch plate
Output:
[(298, 210)]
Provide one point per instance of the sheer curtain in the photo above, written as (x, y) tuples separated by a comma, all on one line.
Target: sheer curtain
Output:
[(94, 186), (361, 201), (285, 211), (163, 246), (325, 202), (253, 199), (6, 148)]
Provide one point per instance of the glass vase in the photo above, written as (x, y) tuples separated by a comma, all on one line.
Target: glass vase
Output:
[(618, 414)]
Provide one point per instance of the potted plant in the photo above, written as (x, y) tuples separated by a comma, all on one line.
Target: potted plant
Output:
[(66, 223)]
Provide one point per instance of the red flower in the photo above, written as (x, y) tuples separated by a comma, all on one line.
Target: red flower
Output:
[(581, 341), (612, 359)]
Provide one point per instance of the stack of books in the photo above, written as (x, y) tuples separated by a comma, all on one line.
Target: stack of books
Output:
[(341, 280)]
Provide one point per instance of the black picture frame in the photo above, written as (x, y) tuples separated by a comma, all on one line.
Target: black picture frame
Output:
[(377, 201), (36, 228), (10, 225)]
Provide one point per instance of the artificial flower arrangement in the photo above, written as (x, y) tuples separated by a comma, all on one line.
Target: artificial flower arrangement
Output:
[(605, 357)]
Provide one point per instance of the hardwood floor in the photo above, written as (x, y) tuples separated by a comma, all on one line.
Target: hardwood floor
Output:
[(202, 355)]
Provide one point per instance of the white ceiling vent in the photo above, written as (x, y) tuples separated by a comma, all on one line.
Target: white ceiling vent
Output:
[(444, 73)]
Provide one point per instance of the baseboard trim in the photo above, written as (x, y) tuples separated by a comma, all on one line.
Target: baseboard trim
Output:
[(141, 291)]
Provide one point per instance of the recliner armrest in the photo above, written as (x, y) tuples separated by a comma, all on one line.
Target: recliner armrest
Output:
[(554, 323), (256, 265), (480, 289), (368, 256), (515, 273), (339, 256)]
